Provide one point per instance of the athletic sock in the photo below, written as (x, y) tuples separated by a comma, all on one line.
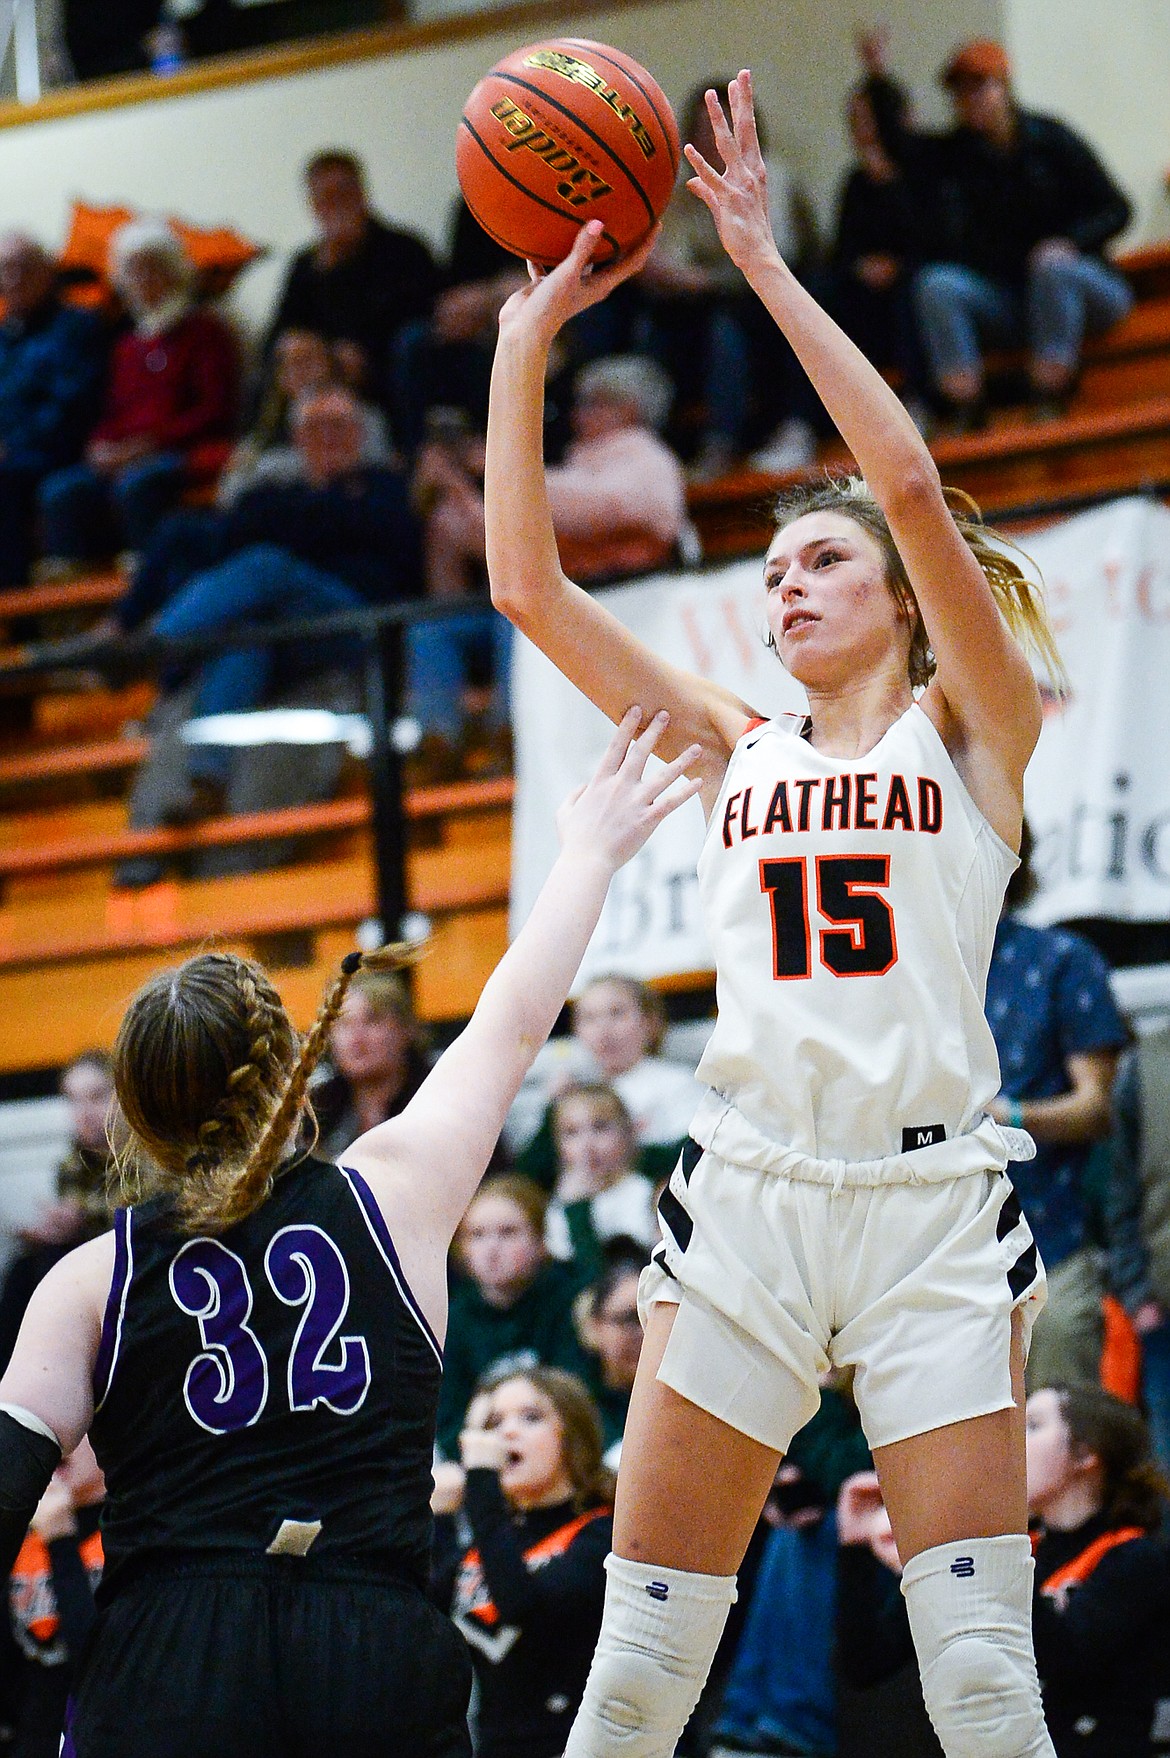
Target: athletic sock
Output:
[(970, 1609), (659, 1633)]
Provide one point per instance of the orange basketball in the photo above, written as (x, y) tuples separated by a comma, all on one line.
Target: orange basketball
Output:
[(564, 132)]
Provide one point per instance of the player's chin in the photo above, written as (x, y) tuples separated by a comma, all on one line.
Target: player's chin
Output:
[(808, 656)]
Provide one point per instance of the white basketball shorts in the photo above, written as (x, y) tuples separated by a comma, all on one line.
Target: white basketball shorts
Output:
[(777, 1279)]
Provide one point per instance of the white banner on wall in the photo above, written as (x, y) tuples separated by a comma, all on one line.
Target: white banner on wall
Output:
[(1098, 788)]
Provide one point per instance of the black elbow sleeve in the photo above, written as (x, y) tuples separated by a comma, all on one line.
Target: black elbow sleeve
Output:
[(27, 1462)]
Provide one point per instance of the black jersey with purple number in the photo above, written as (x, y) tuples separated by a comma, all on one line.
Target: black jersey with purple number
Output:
[(251, 1385)]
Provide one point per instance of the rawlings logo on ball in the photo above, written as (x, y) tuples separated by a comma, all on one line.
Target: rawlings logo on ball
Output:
[(578, 184), (580, 73)]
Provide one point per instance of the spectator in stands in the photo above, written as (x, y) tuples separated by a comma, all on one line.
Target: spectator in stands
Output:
[(1138, 1220), (342, 537), (79, 1209), (169, 413), (528, 1594), (1019, 209), (612, 1333), (445, 360), (619, 507), (598, 1187), (876, 249), (361, 279), (300, 362), (1058, 1034), (1101, 1600), (618, 500), (377, 1061), (52, 358), (51, 1599), (514, 1305), (618, 1028), (702, 322)]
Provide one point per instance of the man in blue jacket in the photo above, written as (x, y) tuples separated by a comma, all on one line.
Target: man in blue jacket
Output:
[(52, 358)]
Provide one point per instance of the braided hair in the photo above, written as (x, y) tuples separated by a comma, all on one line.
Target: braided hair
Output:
[(1020, 600), (212, 1081)]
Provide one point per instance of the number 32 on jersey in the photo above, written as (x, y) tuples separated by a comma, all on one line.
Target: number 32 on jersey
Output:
[(226, 1385), (859, 941)]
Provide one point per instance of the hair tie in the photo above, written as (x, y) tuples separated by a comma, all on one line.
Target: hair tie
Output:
[(351, 964)]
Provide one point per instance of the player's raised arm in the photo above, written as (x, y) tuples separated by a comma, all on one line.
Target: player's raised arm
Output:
[(427, 1162), (981, 670), (583, 640)]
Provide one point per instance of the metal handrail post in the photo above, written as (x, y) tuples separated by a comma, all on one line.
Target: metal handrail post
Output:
[(382, 656)]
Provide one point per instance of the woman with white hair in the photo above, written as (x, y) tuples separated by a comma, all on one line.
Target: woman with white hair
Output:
[(169, 410)]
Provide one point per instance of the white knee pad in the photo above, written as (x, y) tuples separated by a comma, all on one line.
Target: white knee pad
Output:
[(970, 1609), (659, 1634)]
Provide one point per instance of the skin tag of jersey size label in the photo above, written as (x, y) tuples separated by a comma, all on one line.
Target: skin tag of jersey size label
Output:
[(295, 1538)]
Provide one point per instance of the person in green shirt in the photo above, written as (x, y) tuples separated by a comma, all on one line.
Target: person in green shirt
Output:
[(514, 1302)]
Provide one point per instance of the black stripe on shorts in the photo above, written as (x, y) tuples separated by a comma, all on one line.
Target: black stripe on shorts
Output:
[(1010, 1215), (691, 1154), (675, 1219), (658, 1256), (1023, 1272)]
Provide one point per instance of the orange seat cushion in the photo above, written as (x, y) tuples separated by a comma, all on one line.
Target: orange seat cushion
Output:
[(218, 252)]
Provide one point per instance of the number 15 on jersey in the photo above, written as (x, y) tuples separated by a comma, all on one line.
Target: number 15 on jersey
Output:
[(847, 893)]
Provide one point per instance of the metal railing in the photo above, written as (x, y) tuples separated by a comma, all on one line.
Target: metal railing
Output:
[(378, 632)]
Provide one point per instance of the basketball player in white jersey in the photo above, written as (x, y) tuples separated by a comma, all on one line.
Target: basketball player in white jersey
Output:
[(845, 1199)]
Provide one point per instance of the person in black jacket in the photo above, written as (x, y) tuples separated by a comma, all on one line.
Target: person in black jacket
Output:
[(362, 279), (444, 359), (876, 249), (529, 1590), (1016, 209), (1101, 1601), (343, 537)]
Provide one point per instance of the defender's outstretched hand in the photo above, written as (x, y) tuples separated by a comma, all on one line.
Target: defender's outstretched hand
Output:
[(615, 813), (553, 296), (737, 197)]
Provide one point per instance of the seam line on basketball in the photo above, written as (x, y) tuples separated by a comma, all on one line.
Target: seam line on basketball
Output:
[(571, 116), (598, 54), (530, 193)]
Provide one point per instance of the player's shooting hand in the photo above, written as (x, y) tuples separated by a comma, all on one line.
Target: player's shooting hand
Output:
[(553, 296), (614, 814), (737, 196)]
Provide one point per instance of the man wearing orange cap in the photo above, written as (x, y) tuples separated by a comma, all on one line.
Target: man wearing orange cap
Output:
[(1016, 210)]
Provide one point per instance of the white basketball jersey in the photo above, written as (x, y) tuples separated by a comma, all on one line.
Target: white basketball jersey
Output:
[(851, 905)]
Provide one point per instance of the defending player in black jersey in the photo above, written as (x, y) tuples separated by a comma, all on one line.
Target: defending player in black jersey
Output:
[(255, 1351)]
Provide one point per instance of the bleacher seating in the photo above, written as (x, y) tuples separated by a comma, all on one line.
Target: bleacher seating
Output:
[(72, 947), (1115, 437)]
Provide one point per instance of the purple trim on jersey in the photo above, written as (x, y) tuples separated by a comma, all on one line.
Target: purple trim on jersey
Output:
[(376, 1222), (111, 1337)]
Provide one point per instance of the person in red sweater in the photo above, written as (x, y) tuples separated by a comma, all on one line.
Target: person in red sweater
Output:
[(170, 407)]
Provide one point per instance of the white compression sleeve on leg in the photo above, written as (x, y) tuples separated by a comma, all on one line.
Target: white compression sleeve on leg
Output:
[(970, 1609), (659, 1634)]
